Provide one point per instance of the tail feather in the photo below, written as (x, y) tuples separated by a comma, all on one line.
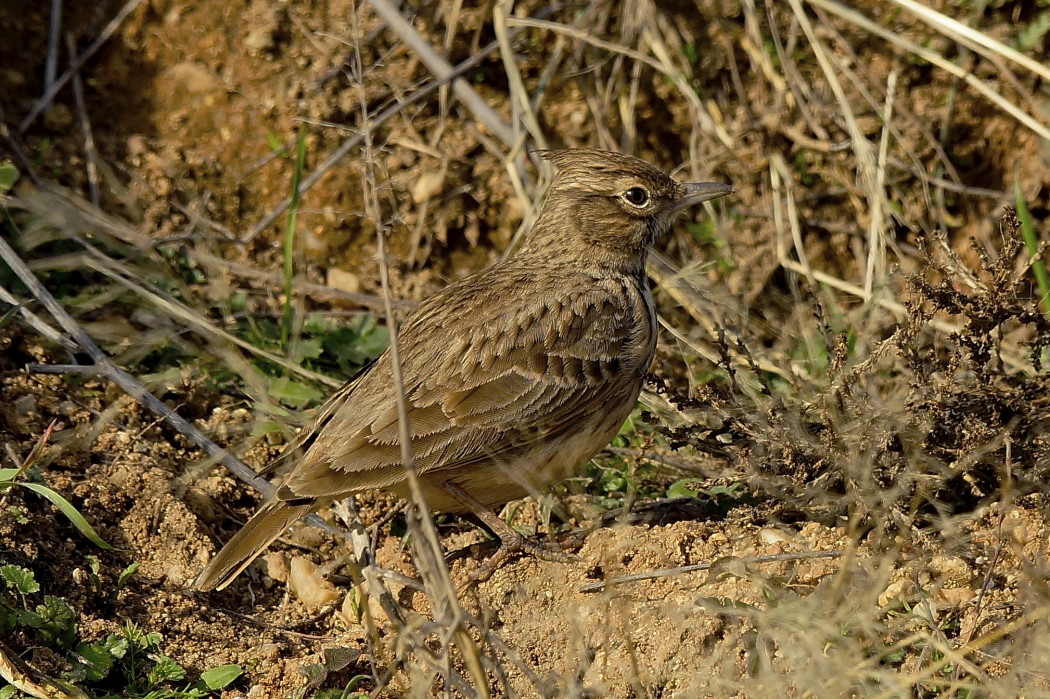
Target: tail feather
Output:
[(261, 530)]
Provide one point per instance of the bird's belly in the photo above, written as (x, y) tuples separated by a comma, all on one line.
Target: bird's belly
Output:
[(495, 483)]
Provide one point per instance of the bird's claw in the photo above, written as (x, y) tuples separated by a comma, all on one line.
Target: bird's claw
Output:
[(518, 545)]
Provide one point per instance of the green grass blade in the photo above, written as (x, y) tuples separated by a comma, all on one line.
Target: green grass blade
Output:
[(8, 315), (71, 513), (1042, 279), (289, 235)]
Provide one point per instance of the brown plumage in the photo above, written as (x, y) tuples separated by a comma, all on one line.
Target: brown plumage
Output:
[(514, 376)]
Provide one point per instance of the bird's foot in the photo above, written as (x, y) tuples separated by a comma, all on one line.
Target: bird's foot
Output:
[(515, 545)]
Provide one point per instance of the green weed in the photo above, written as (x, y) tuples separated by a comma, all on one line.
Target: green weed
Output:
[(9, 478), (8, 175), (127, 664), (289, 235), (1031, 242)]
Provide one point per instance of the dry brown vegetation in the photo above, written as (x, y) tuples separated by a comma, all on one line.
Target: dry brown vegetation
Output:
[(853, 359)]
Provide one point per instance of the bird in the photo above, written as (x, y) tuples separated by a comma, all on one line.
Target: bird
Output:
[(513, 377)]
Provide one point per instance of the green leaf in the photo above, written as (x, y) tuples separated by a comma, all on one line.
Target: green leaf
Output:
[(310, 349), (18, 513), (265, 427), (126, 574), (293, 393), (273, 141), (71, 513), (7, 692), (28, 618), (689, 51), (316, 324), (221, 676), (314, 673), (58, 625), (165, 670), (8, 619), (681, 489), (704, 233), (238, 301), (6, 474), (337, 658), (21, 579), (96, 659), (115, 645), (330, 693), (8, 175), (1031, 241), (1029, 37)]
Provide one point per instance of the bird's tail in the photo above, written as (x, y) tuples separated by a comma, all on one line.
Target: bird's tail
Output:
[(261, 530)]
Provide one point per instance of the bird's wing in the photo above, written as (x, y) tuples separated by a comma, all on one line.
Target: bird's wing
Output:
[(297, 446), (480, 388)]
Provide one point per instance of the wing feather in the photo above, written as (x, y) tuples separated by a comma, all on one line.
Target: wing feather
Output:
[(479, 389)]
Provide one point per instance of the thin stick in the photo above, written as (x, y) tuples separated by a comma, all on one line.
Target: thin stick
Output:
[(441, 69), (133, 388), (38, 323), (20, 156), (54, 29), (45, 100), (861, 146), (429, 555), (671, 572), (875, 272), (518, 92), (81, 369), (90, 153)]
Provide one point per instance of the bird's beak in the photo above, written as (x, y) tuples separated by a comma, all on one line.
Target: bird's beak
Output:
[(697, 192)]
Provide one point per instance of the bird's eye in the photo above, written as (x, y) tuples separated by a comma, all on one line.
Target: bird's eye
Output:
[(636, 196)]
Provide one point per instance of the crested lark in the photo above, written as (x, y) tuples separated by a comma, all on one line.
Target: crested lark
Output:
[(514, 376)]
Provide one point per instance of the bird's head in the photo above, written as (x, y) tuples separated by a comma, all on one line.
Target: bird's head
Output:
[(612, 203)]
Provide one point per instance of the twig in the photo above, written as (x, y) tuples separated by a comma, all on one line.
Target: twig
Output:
[(19, 153), (288, 629), (38, 323), (862, 148), (518, 93), (429, 556), (875, 271), (441, 69), (82, 369), (54, 29), (90, 153), (45, 100), (951, 27), (33, 682), (670, 572)]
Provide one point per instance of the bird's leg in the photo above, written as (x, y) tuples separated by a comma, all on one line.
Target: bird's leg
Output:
[(511, 542)]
